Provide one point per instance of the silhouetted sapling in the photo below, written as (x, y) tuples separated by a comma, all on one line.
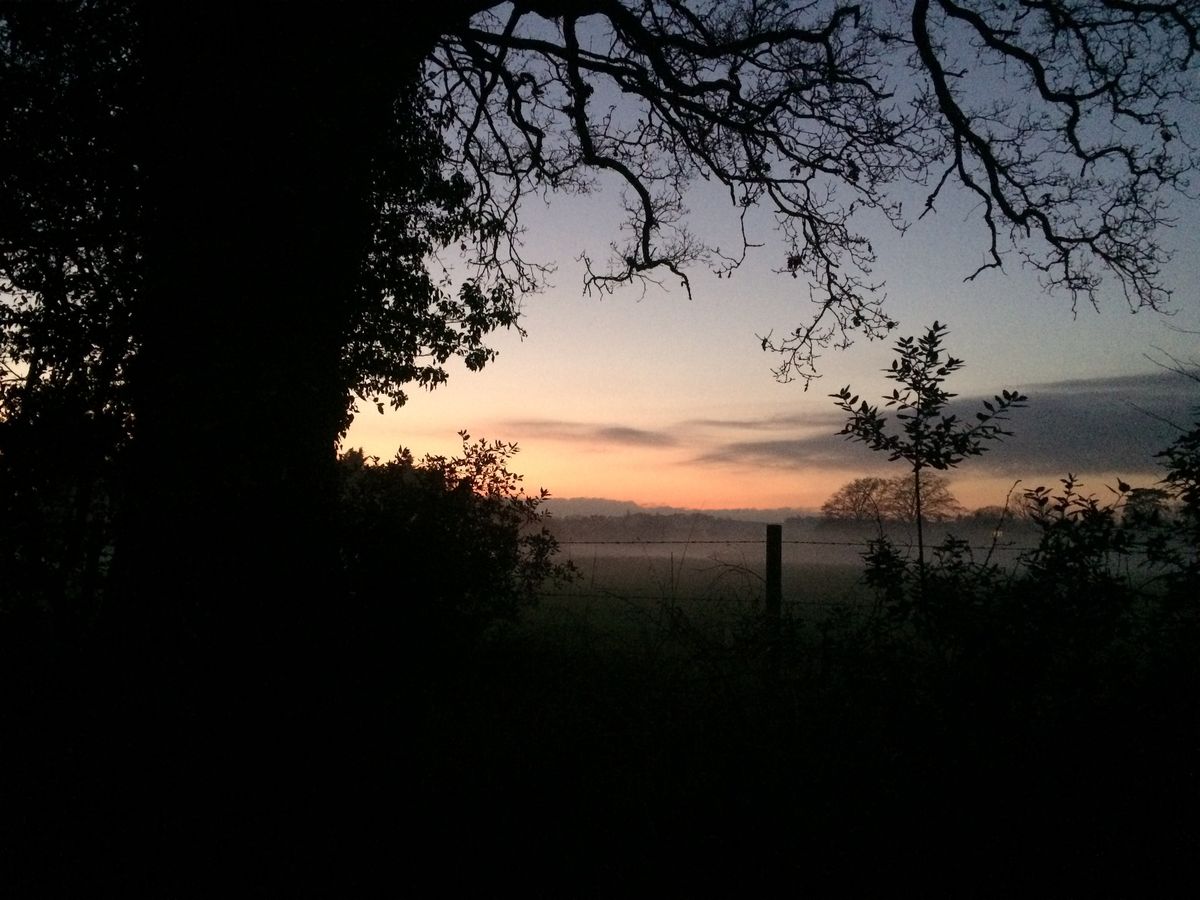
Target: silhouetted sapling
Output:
[(929, 438)]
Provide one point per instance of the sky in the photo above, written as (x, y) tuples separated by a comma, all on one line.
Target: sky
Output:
[(665, 400), (662, 400)]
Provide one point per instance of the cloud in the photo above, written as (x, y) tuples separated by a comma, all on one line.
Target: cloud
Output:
[(583, 432), (821, 451), (1113, 424), (1104, 424), (806, 421)]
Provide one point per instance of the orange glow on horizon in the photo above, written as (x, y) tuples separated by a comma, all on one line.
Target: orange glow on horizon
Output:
[(673, 477)]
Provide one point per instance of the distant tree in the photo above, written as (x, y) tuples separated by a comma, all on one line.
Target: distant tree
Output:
[(937, 503), (873, 499), (861, 500), (989, 514)]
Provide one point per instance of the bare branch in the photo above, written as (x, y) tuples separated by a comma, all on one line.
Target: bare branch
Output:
[(1061, 119)]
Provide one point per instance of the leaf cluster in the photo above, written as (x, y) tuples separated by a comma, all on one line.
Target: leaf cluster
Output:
[(1182, 461), (1101, 579), (929, 436), (408, 320), (73, 237), (71, 234)]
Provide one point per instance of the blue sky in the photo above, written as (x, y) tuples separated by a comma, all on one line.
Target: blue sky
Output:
[(660, 399), (664, 400)]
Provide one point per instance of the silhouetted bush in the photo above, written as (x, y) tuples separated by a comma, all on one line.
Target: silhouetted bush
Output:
[(57, 506), (445, 546), (1101, 595)]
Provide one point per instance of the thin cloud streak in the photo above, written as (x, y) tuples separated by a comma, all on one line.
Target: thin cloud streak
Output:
[(1106, 425), (583, 432), (824, 451), (806, 421)]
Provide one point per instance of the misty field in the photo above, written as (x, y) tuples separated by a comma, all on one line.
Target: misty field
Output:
[(645, 729), (644, 603), (624, 587)]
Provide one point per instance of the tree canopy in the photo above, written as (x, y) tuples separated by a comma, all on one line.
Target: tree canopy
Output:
[(875, 499), (1062, 119), (72, 256)]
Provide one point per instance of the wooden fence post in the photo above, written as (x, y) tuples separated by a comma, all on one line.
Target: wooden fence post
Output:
[(774, 574)]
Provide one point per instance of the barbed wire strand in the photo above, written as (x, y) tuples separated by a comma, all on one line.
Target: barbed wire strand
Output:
[(761, 543)]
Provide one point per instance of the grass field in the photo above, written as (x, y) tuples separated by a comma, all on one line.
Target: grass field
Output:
[(643, 732)]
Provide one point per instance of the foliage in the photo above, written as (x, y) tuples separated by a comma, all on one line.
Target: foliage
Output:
[(75, 259), (929, 436), (458, 535), (57, 510), (1178, 542), (407, 323), (1101, 580), (937, 503), (71, 244), (70, 264), (1079, 584), (241, 170), (1182, 481), (71, 76), (861, 500)]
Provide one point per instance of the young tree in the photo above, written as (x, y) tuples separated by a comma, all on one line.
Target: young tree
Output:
[(929, 437), (247, 169)]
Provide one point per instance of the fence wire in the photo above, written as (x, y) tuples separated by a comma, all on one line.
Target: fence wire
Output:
[(762, 543), (748, 593)]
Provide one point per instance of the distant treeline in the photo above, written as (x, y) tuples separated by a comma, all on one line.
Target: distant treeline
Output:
[(653, 527), (696, 527)]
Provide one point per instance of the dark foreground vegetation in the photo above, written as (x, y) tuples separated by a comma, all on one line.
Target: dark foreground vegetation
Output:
[(231, 664), (973, 728)]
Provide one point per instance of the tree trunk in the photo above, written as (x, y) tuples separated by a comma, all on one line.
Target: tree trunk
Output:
[(920, 516), (261, 128), (228, 637)]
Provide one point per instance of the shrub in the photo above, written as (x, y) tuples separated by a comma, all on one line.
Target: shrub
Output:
[(445, 545)]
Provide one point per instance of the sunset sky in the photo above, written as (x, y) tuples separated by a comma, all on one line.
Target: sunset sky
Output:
[(663, 400)]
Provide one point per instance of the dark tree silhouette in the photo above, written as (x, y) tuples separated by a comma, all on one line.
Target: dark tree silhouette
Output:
[(861, 500), (874, 499), (464, 528), (271, 184)]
